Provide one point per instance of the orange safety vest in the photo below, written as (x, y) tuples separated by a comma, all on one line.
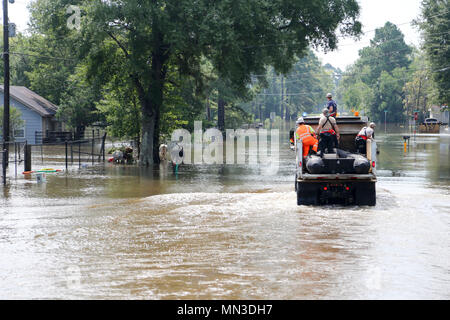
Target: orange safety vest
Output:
[(304, 131)]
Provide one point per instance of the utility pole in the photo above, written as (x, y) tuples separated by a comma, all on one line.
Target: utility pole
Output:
[(282, 99), (7, 76)]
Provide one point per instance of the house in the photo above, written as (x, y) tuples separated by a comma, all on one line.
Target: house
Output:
[(37, 113)]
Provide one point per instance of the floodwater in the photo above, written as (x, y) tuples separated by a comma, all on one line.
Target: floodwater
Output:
[(211, 232)]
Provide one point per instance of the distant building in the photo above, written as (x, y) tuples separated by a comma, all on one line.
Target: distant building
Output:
[(440, 113), (37, 113)]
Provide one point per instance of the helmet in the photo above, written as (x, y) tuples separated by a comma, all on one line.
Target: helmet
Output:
[(329, 95), (300, 120), (372, 125), (325, 112)]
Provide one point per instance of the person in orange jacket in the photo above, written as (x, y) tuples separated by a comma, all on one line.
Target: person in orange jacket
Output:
[(308, 136)]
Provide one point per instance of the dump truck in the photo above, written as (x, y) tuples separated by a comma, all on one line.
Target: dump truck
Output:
[(344, 176)]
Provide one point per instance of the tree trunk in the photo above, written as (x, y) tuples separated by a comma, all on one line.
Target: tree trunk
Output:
[(221, 114), (208, 110), (151, 110), (148, 135)]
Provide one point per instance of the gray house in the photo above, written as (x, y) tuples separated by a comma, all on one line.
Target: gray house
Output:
[(37, 113)]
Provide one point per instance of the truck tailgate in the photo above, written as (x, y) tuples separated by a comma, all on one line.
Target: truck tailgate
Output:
[(307, 176)]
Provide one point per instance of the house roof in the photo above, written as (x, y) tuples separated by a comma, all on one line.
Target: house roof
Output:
[(32, 100)]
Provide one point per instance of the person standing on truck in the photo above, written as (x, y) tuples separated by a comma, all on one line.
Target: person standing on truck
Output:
[(331, 106), (328, 131), (308, 136), (362, 137)]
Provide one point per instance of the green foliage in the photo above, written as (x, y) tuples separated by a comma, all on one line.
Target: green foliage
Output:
[(168, 57), (374, 83), (177, 35), (303, 88), (391, 94), (15, 120), (358, 97), (420, 91), (435, 25), (121, 111), (77, 107)]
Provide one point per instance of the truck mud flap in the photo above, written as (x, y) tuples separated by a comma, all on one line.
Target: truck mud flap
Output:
[(307, 194), (365, 194)]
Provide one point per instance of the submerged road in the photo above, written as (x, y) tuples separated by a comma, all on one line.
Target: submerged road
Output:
[(228, 233)]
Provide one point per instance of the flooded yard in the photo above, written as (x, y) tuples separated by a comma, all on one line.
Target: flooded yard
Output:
[(227, 232)]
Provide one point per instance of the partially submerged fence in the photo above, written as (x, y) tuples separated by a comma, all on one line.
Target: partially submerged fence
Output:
[(67, 153), (11, 155)]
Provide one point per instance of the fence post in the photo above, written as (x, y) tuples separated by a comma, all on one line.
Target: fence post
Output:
[(79, 154), (104, 146), (15, 159), (67, 156), (4, 164), (27, 157), (93, 145)]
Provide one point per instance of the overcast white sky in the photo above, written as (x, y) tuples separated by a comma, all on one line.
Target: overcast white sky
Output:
[(374, 14)]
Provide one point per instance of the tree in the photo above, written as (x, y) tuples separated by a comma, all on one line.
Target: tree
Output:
[(15, 120), (78, 102), (238, 37), (435, 27), (392, 94), (308, 83), (303, 89), (420, 90), (386, 52), (375, 81), (358, 96)]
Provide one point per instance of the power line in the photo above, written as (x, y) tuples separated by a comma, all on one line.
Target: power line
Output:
[(409, 22), (339, 36), (384, 54), (41, 56), (310, 92)]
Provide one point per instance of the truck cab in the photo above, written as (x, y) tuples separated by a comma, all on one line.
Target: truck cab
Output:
[(341, 179)]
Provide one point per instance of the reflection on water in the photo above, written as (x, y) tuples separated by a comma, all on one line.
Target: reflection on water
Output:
[(228, 232)]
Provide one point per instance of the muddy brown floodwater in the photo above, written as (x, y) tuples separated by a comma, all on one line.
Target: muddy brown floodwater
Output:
[(122, 232)]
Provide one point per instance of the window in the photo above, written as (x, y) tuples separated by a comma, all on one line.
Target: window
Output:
[(19, 133)]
